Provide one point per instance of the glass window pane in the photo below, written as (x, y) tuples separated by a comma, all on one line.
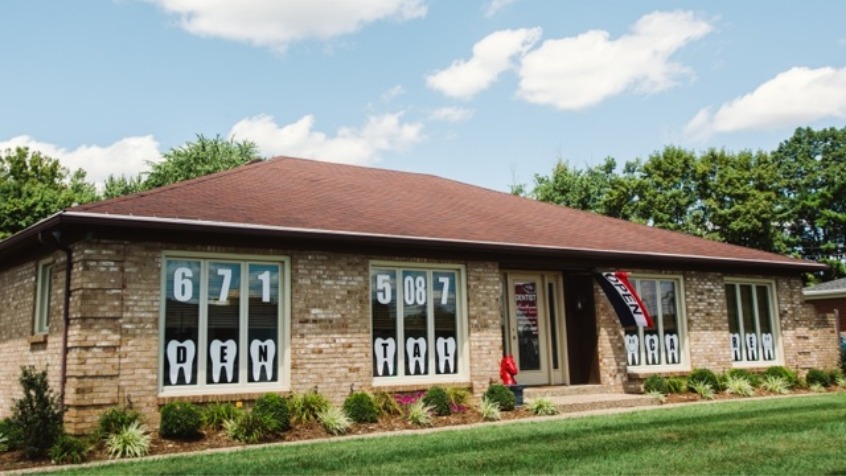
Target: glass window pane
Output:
[(765, 324), (446, 335), (263, 317), (383, 299), (750, 336), (182, 311), (224, 313), (671, 339), (415, 322), (526, 305), (648, 290), (735, 339)]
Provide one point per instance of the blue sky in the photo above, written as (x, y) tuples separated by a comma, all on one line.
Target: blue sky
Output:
[(488, 92)]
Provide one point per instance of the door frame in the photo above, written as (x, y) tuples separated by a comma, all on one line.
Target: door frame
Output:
[(552, 323)]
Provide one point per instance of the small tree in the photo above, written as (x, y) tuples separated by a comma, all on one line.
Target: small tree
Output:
[(37, 417)]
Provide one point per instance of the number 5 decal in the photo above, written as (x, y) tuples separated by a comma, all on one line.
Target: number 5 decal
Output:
[(383, 289)]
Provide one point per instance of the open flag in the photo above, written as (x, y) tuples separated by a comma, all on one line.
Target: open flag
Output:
[(623, 297)]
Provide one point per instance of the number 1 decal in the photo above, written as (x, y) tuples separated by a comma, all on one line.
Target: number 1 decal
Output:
[(265, 286)]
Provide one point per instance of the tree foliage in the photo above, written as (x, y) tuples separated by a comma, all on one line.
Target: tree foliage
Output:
[(203, 157), (34, 186)]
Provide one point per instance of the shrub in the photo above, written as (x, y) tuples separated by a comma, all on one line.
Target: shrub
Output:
[(702, 388), (840, 381), (501, 395), (489, 409), (542, 406), (658, 396), (438, 399), (36, 417), (116, 419), (817, 377), (304, 407), (130, 442), (180, 421), (835, 376), (249, 427), (738, 385), (843, 358), (275, 408), (788, 375), (334, 420), (458, 396), (4, 442), (774, 384), (816, 388), (215, 414), (387, 404), (751, 377), (419, 414), (8, 435), (69, 450), (704, 376), (655, 384), (361, 408), (676, 385)]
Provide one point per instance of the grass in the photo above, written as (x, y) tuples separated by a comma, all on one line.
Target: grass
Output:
[(789, 435)]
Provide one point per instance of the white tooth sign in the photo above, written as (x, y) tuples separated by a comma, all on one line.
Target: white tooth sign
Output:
[(752, 346), (415, 350), (767, 344), (223, 355), (262, 354), (735, 347), (632, 347), (446, 354), (651, 341), (180, 358), (671, 342), (384, 350)]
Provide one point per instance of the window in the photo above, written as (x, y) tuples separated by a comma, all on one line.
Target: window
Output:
[(43, 290), (418, 322), (663, 344), (752, 326), (222, 324)]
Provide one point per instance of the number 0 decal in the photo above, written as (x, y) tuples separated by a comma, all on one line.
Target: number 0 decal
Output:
[(414, 290)]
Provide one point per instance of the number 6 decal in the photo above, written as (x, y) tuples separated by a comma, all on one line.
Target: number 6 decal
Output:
[(183, 288)]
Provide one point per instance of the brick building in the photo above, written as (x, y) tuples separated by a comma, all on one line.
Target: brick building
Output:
[(288, 274), (830, 298)]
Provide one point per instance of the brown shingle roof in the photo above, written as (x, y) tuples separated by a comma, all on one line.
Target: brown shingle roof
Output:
[(326, 197)]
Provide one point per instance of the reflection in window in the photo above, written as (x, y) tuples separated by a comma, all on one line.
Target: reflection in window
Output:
[(752, 336), (662, 343)]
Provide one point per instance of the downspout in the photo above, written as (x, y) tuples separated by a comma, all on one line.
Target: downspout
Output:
[(63, 373)]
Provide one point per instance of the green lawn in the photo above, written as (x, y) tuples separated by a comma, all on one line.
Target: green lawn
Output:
[(790, 435)]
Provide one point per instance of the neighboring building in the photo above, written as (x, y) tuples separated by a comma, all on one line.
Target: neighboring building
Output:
[(830, 298), (290, 274)]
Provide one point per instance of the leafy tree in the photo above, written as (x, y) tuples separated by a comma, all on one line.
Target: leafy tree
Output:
[(572, 187), (122, 185), (203, 157), (666, 188), (34, 186)]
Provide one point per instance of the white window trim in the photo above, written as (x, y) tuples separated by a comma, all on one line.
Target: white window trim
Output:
[(284, 338), (462, 337), (779, 349), (41, 317), (684, 364)]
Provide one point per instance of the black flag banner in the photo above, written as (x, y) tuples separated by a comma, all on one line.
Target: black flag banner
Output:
[(623, 297)]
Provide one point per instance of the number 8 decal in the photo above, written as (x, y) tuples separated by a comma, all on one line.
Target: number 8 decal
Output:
[(415, 290)]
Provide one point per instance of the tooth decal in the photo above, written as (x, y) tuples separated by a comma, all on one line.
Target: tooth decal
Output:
[(735, 347), (651, 342), (671, 341), (751, 346), (415, 349), (223, 358), (261, 355), (767, 344), (446, 354), (632, 349), (384, 350), (180, 357)]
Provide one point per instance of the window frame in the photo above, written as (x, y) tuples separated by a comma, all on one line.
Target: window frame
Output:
[(684, 338), (43, 297), (201, 387), (775, 322), (461, 316)]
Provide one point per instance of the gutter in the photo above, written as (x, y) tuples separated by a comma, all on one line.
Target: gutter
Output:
[(56, 243)]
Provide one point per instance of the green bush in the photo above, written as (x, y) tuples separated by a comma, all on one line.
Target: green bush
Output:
[(180, 421), (542, 406), (818, 377), (704, 376), (835, 376), (438, 399), (489, 410), (387, 404), (215, 414), (10, 434), (361, 408), (459, 396), (843, 358), (249, 427), (334, 420), (69, 450), (656, 384), (779, 371), (304, 407), (275, 408), (116, 419), (132, 441), (501, 395), (36, 417), (419, 414), (751, 377), (676, 385)]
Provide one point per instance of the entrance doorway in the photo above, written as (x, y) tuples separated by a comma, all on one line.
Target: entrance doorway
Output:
[(534, 328)]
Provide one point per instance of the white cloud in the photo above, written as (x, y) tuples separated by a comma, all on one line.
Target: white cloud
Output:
[(494, 6), (491, 56), (393, 93), (352, 146), (578, 72), (129, 156), (792, 98), (275, 24), (451, 114)]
